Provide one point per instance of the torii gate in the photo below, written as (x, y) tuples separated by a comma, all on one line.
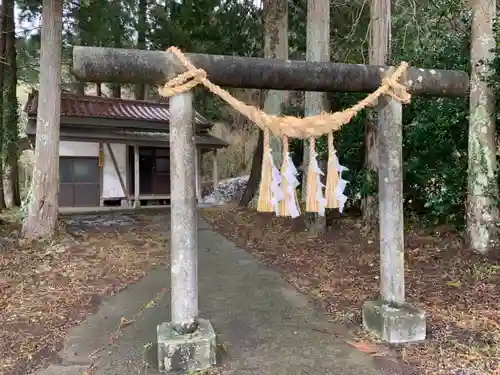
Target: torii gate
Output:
[(188, 343)]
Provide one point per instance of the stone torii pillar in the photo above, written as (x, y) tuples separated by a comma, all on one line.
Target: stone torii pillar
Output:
[(186, 342), (391, 318)]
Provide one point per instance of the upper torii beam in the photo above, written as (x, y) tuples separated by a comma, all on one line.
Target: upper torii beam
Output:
[(98, 64)]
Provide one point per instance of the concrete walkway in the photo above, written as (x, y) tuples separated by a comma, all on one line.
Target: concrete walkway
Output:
[(267, 327)]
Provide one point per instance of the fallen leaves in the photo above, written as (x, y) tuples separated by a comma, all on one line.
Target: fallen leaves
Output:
[(364, 346), (458, 289), (46, 288), (454, 284), (125, 322)]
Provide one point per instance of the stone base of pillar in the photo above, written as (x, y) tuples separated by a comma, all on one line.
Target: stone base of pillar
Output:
[(186, 353), (406, 323)]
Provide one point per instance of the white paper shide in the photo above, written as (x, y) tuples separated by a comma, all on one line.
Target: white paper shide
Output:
[(339, 191), (290, 174), (276, 193)]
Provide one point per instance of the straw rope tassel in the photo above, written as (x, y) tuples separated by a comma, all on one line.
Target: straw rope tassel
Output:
[(289, 206), (313, 201), (265, 203), (332, 177)]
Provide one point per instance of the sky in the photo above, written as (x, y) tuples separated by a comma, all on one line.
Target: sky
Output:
[(24, 25)]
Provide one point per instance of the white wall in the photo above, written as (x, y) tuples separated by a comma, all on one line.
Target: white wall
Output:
[(72, 148), (111, 183)]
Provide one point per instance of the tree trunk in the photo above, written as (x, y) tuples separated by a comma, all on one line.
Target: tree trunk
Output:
[(116, 88), (10, 112), (254, 178), (251, 189), (275, 47), (80, 87), (43, 207), (379, 52), (140, 89), (2, 75), (98, 89), (482, 184), (81, 39), (318, 49)]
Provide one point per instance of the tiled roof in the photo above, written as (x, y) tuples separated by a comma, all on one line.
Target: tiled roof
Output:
[(110, 108)]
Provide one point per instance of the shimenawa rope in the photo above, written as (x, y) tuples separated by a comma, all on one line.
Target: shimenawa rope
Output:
[(275, 192), (293, 127)]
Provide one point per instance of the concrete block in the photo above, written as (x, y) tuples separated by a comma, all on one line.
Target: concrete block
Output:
[(190, 352), (401, 324)]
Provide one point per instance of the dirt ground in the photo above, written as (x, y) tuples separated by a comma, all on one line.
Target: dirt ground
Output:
[(46, 288), (459, 290)]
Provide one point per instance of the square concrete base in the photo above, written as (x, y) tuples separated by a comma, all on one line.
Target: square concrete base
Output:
[(406, 323), (191, 352)]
